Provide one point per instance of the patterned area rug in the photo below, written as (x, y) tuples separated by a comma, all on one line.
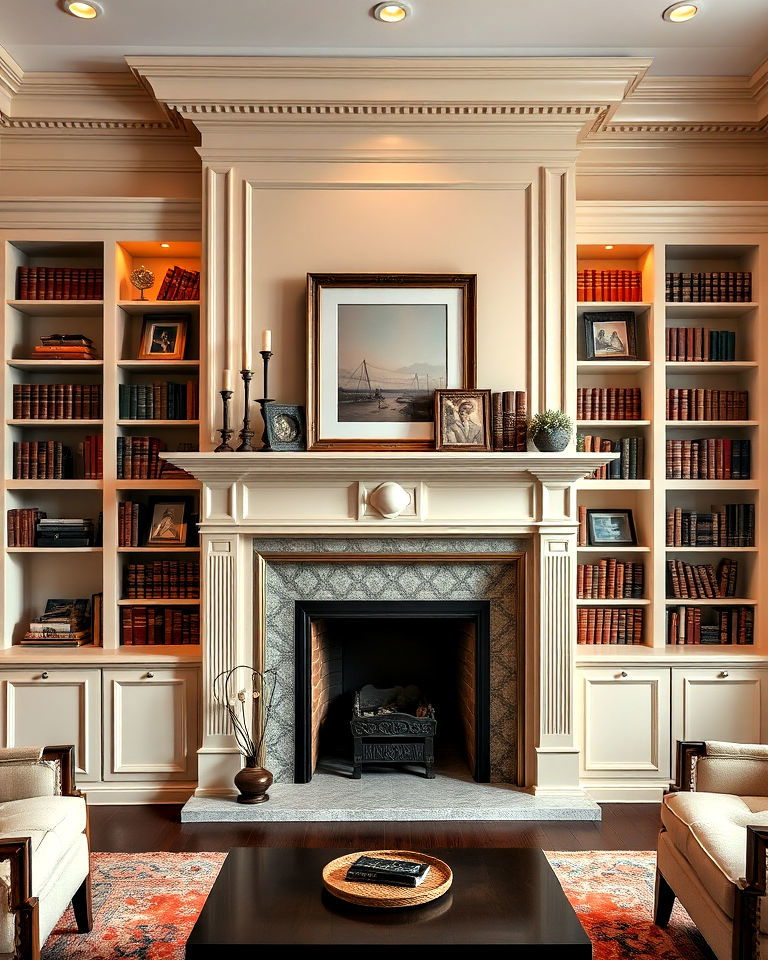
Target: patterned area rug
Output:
[(146, 904)]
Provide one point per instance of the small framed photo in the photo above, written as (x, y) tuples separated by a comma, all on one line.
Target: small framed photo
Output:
[(610, 336), (168, 527), (462, 419), (163, 337), (611, 528), (286, 427)]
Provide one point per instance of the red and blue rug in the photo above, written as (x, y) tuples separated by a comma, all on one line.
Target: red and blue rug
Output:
[(146, 904)]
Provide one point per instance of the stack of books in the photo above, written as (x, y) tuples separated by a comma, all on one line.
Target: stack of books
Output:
[(60, 283), (698, 343), (180, 284), (609, 285), (510, 421), (64, 623), (65, 533), (726, 286), (390, 873), (65, 346)]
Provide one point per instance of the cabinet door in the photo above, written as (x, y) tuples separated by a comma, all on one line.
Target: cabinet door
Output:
[(719, 703), (57, 706), (150, 723), (624, 716)]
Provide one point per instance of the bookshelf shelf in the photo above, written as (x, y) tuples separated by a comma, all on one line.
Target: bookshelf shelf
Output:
[(604, 551), (613, 423), (54, 423), (58, 308), (163, 550), (54, 484), (710, 424), (139, 307), (57, 366), (710, 602), (156, 485), (61, 550), (612, 603), (158, 423), (711, 366), (615, 484), (151, 366), (584, 306), (712, 485), (711, 549), (691, 311), (612, 366), (163, 602)]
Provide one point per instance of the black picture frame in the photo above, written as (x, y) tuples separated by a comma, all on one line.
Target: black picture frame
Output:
[(594, 525), (189, 517), (278, 417), (603, 333)]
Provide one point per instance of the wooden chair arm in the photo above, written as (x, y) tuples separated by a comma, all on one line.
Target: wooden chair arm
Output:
[(757, 847), (687, 750), (65, 756), (18, 850)]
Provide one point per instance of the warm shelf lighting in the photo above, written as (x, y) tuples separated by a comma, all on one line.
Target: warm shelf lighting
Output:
[(608, 246), (83, 9), (165, 245), (680, 12), (391, 12)]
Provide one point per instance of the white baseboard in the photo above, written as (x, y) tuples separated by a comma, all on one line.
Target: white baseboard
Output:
[(623, 792), (105, 794)]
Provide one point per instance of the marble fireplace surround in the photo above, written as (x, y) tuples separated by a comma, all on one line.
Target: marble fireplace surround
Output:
[(252, 501)]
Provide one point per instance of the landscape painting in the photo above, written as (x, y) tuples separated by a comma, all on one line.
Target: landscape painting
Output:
[(391, 359)]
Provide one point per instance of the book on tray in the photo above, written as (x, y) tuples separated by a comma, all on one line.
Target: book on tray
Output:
[(394, 873), (63, 623)]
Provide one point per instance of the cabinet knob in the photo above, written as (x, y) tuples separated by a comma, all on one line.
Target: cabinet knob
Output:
[(623, 673), (44, 675), (723, 674), (149, 675)]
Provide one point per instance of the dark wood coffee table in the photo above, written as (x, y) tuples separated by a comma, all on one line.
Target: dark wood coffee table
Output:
[(275, 898)]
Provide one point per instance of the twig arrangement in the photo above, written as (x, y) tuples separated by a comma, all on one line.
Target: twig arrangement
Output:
[(258, 693)]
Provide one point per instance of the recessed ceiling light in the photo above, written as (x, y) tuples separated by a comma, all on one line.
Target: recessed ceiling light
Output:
[(83, 9), (391, 12), (608, 246), (165, 245), (680, 12)]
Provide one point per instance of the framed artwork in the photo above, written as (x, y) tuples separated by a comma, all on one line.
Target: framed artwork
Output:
[(379, 345), (167, 527), (286, 428), (610, 336), (163, 337), (463, 419), (611, 528)]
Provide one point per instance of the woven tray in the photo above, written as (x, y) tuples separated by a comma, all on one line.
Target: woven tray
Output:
[(437, 882)]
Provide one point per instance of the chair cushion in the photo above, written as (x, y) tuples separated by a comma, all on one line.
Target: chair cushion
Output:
[(709, 831), (52, 823)]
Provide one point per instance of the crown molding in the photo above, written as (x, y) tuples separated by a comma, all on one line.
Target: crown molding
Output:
[(11, 76), (100, 213), (631, 218)]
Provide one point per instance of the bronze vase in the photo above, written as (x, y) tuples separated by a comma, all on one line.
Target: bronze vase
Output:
[(253, 782)]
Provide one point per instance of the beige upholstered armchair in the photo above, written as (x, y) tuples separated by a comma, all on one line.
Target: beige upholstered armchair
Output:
[(712, 846), (44, 855)]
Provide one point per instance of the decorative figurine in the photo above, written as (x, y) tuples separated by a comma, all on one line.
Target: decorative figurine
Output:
[(142, 279)]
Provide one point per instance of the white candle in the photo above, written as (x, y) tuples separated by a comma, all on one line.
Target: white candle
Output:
[(227, 380), (247, 358), (266, 340)]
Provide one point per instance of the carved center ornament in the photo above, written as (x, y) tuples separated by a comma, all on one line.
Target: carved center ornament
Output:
[(389, 499)]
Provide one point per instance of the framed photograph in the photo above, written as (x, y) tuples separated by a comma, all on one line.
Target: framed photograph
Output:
[(463, 419), (163, 337), (610, 336), (379, 345), (167, 527), (286, 428), (611, 528)]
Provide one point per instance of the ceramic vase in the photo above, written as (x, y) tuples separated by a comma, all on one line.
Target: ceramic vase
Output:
[(253, 781)]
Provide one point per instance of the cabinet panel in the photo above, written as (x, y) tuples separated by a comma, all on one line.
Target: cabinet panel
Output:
[(712, 703), (46, 707), (150, 724), (624, 722)]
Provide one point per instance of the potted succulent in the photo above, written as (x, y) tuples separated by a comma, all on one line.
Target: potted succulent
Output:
[(551, 431), (248, 708)]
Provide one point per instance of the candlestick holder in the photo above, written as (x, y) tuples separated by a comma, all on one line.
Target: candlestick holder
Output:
[(225, 433), (263, 401), (246, 434)]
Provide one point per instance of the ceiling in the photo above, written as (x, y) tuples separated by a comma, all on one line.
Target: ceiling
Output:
[(728, 37)]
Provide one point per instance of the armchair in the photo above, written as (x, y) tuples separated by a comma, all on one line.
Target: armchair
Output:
[(44, 849), (712, 846)]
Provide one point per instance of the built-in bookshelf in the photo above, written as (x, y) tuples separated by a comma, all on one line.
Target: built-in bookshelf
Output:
[(695, 361), (69, 417)]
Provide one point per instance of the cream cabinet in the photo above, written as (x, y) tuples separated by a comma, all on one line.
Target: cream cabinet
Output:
[(624, 715), (150, 723), (720, 703), (42, 706)]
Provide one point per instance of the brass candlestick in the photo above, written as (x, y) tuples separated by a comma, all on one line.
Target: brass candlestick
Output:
[(225, 432), (246, 434), (263, 401)]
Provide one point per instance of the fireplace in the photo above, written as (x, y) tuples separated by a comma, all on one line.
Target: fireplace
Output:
[(440, 646)]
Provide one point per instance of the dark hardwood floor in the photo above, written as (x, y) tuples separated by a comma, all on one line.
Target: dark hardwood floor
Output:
[(133, 829)]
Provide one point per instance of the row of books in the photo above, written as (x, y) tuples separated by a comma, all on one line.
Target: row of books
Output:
[(709, 458), (725, 286), (65, 346), (729, 525), (735, 625), (510, 421), (609, 285), (162, 579), (56, 401), (700, 581), (180, 284), (131, 523), (41, 460), (702, 403), (92, 453), (163, 400), (610, 579), (158, 626), (608, 403), (602, 625), (631, 462), (698, 343), (138, 458), (21, 525), (60, 283)]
